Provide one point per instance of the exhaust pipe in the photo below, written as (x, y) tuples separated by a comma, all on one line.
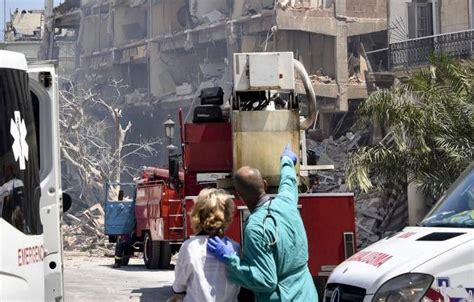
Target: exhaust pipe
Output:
[(310, 95)]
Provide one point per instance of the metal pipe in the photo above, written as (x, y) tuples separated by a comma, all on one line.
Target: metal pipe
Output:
[(310, 96)]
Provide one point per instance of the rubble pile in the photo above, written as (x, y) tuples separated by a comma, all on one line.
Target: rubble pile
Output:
[(325, 79), (356, 79), (379, 213), (369, 215), (84, 232), (300, 5), (332, 152)]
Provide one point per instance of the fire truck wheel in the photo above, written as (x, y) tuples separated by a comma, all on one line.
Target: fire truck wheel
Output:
[(165, 255), (151, 252)]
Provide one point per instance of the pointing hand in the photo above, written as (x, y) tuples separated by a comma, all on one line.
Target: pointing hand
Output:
[(289, 153)]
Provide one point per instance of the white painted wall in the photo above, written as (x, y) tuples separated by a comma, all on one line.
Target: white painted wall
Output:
[(454, 15), (398, 20), (471, 14)]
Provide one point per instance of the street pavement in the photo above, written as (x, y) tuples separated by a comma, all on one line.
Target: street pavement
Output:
[(93, 279)]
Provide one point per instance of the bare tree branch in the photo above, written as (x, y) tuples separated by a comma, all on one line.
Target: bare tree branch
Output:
[(93, 139)]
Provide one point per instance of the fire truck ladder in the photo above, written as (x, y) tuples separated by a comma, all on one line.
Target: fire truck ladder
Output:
[(177, 219)]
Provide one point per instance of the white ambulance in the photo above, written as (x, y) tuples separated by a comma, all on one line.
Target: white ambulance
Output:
[(431, 262), (31, 200)]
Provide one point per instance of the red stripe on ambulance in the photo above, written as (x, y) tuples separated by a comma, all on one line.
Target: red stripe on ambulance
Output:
[(372, 258), (406, 235)]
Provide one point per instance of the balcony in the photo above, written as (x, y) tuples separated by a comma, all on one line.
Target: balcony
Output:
[(416, 52)]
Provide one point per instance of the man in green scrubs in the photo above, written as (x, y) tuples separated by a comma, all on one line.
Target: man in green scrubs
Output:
[(274, 261)]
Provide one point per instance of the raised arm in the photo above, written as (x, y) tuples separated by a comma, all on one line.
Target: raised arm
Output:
[(288, 188)]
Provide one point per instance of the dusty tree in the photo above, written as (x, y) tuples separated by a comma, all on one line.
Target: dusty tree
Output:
[(429, 123), (93, 140)]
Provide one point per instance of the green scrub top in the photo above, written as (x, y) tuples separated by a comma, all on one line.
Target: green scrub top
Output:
[(276, 272)]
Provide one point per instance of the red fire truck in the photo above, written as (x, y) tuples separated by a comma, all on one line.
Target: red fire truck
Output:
[(252, 131)]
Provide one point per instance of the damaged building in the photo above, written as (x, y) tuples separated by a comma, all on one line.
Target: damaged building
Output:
[(166, 51), (23, 33), (418, 29)]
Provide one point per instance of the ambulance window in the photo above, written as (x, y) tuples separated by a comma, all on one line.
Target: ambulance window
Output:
[(19, 172), (456, 209), (42, 111), (36, 114)]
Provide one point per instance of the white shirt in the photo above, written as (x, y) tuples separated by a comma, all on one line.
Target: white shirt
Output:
[(201, 275)]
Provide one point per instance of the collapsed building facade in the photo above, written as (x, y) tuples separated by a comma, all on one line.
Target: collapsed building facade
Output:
[(23, 33), (166, 51)]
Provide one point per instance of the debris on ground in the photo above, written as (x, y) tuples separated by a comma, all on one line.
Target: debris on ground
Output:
[(83, 231)]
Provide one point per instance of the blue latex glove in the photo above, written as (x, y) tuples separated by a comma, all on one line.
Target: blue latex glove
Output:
[(289, 153), (222, 249)]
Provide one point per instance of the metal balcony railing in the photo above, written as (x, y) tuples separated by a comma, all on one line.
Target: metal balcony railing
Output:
[(416, 52)]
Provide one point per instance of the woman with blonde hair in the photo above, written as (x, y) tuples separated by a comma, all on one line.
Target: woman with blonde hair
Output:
[(199, 276)]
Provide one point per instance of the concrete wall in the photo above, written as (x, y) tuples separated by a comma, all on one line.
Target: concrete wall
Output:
[(172, 69), (130, 23), (88, 2), (90, 39), (105, 36), (96, 34), (198, 8), (316, 52), (161, 81), (367, 8), (243, 7), (165, 17), (257, 42), (29, 49), (454, 15)]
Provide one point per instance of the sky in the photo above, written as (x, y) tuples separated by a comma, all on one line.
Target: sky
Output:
[(11, 5)]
